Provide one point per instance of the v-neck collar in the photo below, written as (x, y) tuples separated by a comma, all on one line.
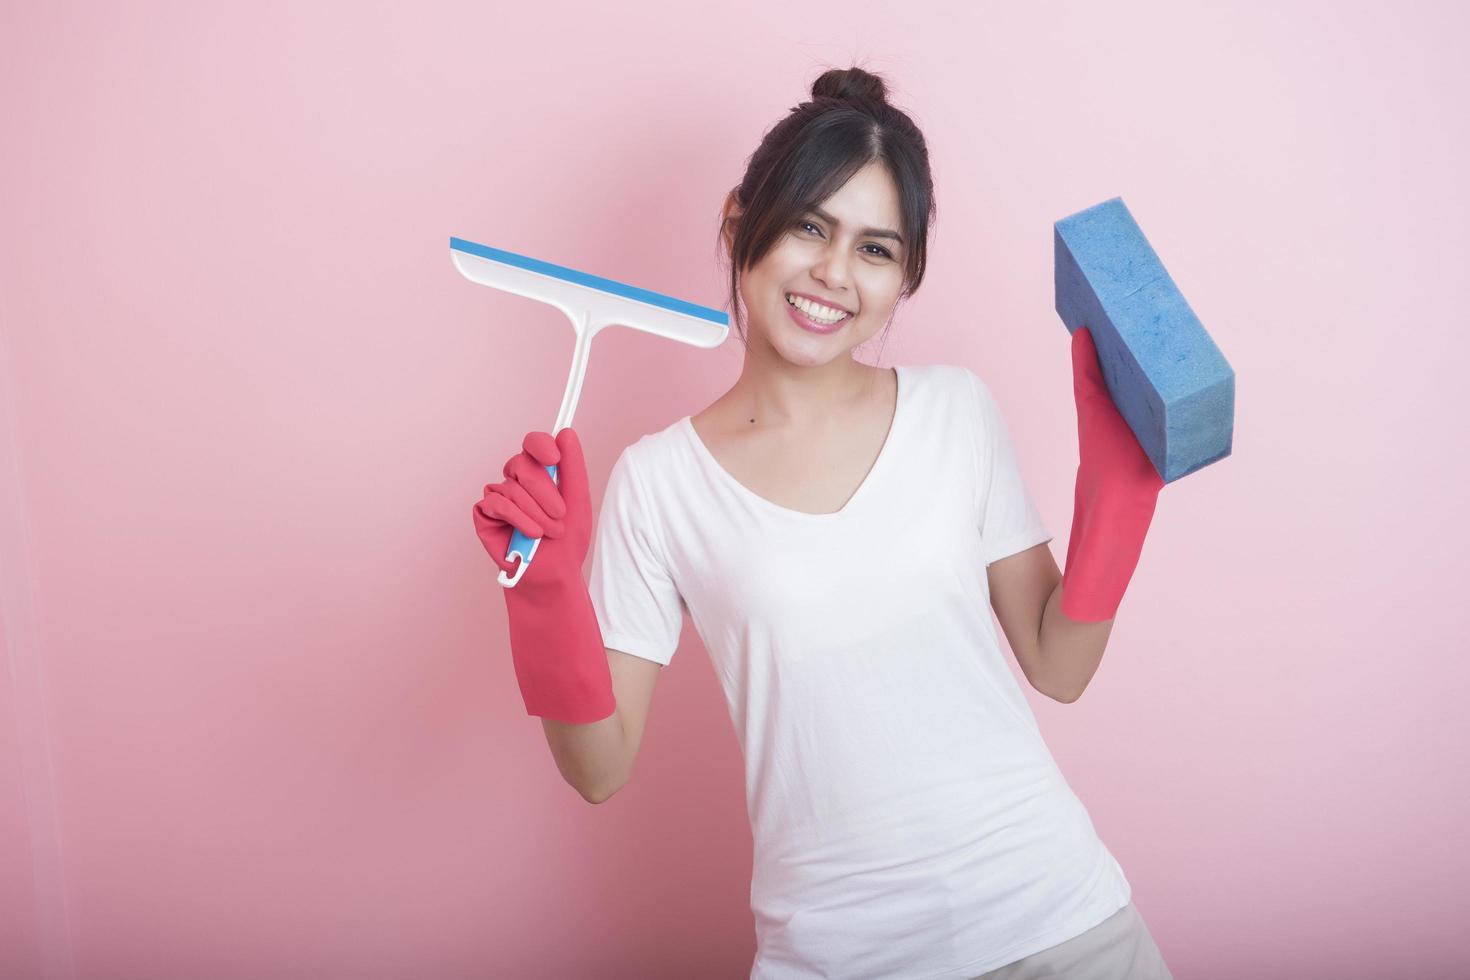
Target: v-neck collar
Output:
[(875, 472)]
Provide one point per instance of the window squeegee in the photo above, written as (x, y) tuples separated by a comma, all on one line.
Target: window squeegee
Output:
[(591, 303)]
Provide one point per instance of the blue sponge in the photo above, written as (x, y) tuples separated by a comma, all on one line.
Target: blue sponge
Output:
[(1167, 377)]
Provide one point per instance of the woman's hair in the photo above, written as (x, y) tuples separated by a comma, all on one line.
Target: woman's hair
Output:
[(810, 154)]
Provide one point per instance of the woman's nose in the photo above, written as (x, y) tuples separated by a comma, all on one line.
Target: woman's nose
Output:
[(831, 271)]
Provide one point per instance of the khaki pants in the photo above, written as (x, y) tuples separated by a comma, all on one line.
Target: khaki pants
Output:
[(1118, 948)]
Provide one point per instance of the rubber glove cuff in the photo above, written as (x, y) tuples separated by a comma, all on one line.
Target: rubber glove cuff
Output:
[(556, 648)]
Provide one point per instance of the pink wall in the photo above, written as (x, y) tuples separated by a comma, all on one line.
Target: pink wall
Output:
[(260, 718)]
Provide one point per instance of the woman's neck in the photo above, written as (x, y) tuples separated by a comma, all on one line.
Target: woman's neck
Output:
[(781, 395)]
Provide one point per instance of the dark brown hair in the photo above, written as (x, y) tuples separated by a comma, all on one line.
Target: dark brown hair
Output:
[(810, 154)]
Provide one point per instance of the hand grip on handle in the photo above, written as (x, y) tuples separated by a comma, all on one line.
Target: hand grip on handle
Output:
[(521, 545)]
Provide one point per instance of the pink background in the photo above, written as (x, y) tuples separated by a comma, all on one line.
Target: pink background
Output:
[(259, 717)]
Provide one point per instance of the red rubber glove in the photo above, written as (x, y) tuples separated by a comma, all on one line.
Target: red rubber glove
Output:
[(555, 643), (1117, 488)]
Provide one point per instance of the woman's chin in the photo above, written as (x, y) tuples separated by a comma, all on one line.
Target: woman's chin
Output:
[(807, 350)]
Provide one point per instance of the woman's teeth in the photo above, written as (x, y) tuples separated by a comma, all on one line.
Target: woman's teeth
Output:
[(818, 312)]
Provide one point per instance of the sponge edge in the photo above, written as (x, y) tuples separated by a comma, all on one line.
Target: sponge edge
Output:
[(1168, 379)]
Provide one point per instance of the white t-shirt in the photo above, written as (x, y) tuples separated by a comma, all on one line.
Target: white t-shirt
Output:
[(908, 819)]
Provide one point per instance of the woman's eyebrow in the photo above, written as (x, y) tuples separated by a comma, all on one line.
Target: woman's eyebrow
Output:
[(875, 232)]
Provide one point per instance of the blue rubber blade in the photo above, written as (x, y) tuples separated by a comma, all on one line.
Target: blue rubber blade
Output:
[(592, 282)]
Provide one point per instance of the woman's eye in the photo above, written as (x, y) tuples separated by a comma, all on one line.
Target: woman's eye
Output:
[(804, 225)]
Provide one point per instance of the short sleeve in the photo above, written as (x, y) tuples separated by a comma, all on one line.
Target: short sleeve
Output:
[(1006, 515), (639, 611)]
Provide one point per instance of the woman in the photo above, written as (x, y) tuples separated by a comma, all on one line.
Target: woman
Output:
[(836, 532)]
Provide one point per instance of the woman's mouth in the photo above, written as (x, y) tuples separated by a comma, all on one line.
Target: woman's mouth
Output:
[(813, 316)]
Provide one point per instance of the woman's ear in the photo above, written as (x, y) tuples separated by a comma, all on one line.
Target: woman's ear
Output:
[(729, 218)]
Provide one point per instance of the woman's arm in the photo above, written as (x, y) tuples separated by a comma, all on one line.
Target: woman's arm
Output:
[(1058, 655), (597, 759), (1058, 622)]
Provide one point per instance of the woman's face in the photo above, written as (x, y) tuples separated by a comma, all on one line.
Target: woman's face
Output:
[(837, 255)]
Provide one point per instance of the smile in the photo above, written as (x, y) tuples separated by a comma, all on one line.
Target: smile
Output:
[(823, 316)]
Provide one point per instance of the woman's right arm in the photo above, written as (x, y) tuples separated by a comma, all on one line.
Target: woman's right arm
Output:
[(597, 759), (592, 700)]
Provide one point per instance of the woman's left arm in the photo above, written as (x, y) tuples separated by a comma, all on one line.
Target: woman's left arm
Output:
[(1058, 655), (1058, 622)]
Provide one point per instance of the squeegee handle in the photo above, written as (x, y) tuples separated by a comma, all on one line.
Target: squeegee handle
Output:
[(522, 545)]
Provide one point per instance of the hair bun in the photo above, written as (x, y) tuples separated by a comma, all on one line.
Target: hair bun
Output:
[(850, 84)]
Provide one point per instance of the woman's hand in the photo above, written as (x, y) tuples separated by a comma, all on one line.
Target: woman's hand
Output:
[(557, 511), (556, 644), (555, 641), (1117, 488)]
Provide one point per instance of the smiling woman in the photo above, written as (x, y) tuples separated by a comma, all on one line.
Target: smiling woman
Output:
[(833, 529), (847, 128)]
